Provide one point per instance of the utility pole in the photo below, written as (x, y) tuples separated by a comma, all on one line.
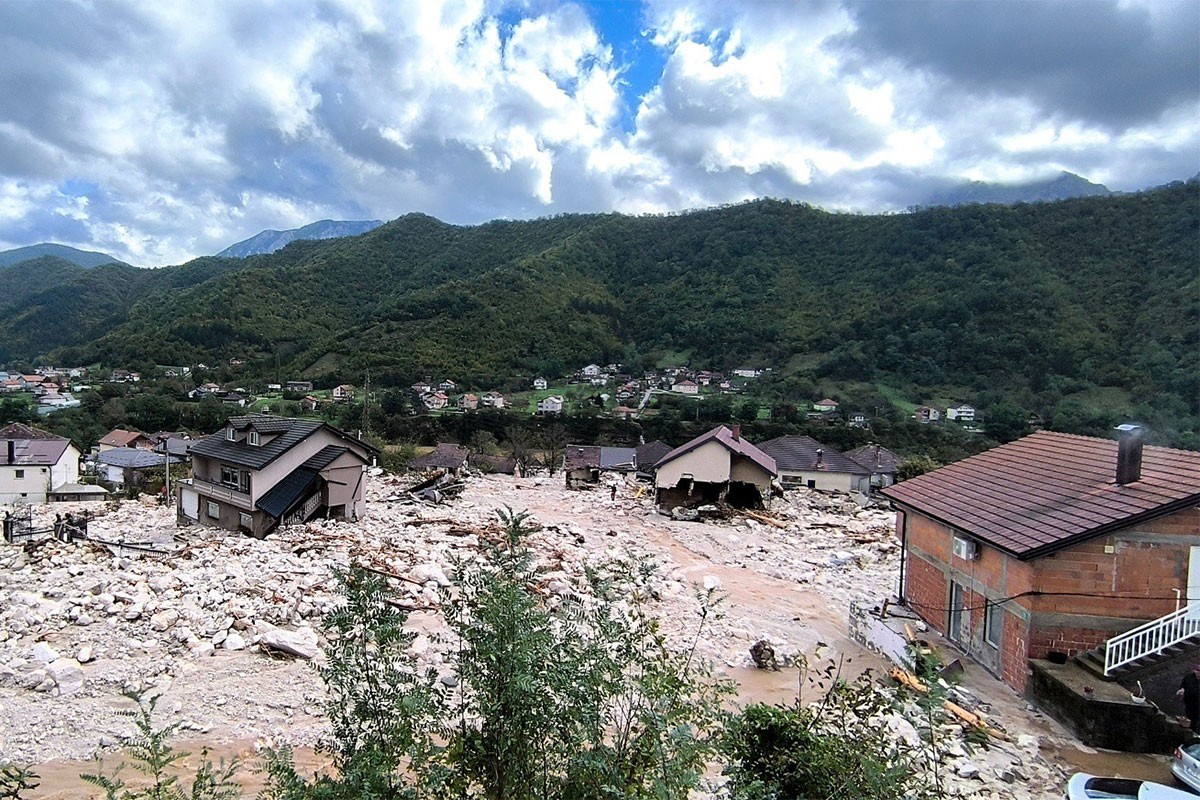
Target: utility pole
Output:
[(366, 418)]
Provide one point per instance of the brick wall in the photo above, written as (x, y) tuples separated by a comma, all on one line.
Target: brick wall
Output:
[(1094, 590)]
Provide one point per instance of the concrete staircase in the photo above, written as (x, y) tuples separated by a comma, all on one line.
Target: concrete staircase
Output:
[(1093, 661)]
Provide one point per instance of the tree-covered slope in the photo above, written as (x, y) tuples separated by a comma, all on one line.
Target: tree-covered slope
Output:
[(1054, 297)]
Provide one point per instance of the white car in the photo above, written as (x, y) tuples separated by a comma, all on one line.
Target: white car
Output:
[(1083, 786), (1186, 766)]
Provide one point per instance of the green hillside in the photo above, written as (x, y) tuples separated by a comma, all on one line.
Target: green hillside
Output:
[(1030, 301)]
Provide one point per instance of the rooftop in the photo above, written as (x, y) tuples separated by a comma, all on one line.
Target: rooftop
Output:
[(1050, 490)]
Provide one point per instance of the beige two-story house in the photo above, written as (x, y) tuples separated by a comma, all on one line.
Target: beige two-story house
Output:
[(262, 471)]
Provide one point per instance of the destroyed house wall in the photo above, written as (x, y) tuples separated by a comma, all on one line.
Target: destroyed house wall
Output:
[(708, 463)]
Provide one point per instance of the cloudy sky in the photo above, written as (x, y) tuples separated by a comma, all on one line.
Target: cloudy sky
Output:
[(159, 131)]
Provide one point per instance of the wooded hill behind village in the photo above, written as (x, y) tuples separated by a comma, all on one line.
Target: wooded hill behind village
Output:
[(1078, 307)]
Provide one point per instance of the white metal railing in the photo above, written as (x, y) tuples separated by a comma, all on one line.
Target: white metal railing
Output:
[(1152, 637)]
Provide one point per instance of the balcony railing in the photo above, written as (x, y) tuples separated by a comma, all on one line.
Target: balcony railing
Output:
[(218, 492)]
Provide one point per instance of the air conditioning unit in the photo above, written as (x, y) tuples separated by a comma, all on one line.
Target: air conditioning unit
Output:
[(965, 549)]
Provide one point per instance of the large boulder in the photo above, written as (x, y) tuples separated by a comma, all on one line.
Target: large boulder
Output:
[(301, 643), (66, 674)]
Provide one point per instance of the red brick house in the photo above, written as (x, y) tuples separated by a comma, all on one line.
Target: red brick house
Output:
[(1053, 542)]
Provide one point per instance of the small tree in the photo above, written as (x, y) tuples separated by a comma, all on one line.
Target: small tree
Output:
[(152, 755)]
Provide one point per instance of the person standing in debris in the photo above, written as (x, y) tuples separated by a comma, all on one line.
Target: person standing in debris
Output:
[(1189, 690), (613, 496)]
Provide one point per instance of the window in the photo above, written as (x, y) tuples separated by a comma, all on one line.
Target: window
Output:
[(229, 477), (214, 510), (19, 474), (231, 434), (993, 625), (954, 628), (246, 521), (253, 438)]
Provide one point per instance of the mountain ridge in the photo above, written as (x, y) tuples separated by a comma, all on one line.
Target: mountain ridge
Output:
[(1064, 186), (83, 258), (269, 241)]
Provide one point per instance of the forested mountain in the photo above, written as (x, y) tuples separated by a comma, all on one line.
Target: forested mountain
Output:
[(270, 241), (82, 258), (1031, 304)]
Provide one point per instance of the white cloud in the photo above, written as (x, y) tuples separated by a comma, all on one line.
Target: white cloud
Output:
[(191, 126)]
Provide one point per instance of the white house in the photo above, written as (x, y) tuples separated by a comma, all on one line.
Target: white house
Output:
[(539, 384), (33, 463), (686, 386), (591, 371), (825, 405), (962, 412), (492, 400), (550, 405)]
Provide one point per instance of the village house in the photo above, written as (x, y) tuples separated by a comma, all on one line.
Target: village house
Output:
[(550, 405), (590, 371), (927, 414), (961, 412), (128, 466), (825, 405), (34, 464), (581, 464), (803, 461), (879, 461), (492, 400), (298, 386), (435, 401), (262, 471), (309, 404), (747, 372), (649, 454), (539, 384), (342, 394), (717, 466), (446, 456), (448, 386), (468, 402), (686, 386), (1053, 543), (121, 438)]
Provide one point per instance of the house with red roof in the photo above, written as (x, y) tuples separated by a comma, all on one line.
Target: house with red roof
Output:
[(119, 437), (1055, 544), (718, 466)]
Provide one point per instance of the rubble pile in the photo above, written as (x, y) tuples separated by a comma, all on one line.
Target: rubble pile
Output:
[(224, 626)]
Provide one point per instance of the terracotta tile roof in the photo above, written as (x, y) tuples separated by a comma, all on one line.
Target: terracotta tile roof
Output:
[(1050, 490), (19, 430), (724, 436), (118, 437)]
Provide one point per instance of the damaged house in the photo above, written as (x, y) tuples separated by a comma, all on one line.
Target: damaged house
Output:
[(261, 471), (718, 466)]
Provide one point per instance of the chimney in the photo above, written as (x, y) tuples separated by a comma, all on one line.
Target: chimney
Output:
[(820, 459), (735, 431), (12, 451), (1129, 453)]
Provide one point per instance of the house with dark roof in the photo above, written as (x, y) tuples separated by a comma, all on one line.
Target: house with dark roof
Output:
[(879, 461), (1054, 543), (649, 454), (581, 464), (803, 461), (126, 466), (448, 456), (33, 463), (262, 471), (717, 466)]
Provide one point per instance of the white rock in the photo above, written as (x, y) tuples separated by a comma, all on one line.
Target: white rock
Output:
[(234, 641), (301, 643), (67, 676), (711, 582), (44, 653), (424, 573), (164, 619), (84, 654)]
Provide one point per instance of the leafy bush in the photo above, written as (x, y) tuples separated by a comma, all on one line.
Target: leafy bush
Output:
[(838, 748)]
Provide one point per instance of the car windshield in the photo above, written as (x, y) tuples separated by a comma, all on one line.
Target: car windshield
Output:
[(1112, 789)]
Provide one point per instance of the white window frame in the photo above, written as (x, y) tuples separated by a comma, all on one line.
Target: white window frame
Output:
[(253, 439), (993, 628), (18, 475), (230, 435)]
